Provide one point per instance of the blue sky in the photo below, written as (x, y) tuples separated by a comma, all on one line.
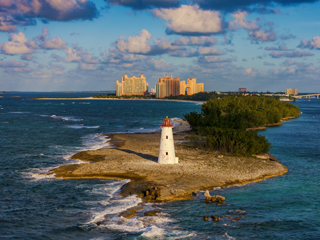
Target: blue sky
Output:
[(79, 45)]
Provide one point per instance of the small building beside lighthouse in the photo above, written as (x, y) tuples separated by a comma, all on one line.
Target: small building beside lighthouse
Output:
[(166, 149)]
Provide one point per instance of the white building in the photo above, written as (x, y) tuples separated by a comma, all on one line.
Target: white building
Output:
[(166, 150)]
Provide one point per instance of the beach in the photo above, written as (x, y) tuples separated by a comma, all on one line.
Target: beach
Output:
[(134, 156)]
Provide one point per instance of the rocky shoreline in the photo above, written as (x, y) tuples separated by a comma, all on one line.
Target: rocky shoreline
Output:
[(134, 157)]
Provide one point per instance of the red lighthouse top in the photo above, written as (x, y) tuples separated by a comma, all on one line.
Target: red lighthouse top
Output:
[(167, 122)]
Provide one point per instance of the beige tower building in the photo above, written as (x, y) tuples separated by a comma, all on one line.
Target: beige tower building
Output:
[(167, 86), (132, 86), (292, 91), (192, 87)]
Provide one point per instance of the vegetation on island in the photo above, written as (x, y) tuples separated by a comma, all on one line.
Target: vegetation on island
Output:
[(223, 123)]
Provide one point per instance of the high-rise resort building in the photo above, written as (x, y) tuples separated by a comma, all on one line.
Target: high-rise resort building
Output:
[(192, 87), (242, 90), (168, 86), (132, 86), (292, 91)]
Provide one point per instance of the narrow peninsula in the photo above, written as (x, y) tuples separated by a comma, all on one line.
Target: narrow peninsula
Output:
[(135, 156)]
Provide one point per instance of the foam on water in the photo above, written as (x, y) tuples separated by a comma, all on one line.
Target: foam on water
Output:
[(63, 118), (80, 126), (39, 174), (19, 112), (115, 206), (94, 141)]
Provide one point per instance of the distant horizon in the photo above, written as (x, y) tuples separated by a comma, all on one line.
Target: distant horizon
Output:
[(106, 91)]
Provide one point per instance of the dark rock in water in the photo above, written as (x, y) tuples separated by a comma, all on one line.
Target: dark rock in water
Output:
[(128, 214), (131, 212), (213, 216), (206, 218), (208, 199), (237, 218), (152, 213), (220, 198)]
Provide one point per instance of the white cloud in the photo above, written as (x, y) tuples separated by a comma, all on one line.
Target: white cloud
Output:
[(241, 22), (54, 43), (78, 54), (135, 44), (190, 20), (72, 55), (17, 45), (140, 44), (261, 35), (314, 43)]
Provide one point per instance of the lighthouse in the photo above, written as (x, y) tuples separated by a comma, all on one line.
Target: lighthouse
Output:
[(166, 150)]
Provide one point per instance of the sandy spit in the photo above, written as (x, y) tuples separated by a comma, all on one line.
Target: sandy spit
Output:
[(134, 157)]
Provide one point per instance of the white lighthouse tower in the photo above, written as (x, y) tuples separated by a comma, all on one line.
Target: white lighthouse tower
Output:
[(166, 150)]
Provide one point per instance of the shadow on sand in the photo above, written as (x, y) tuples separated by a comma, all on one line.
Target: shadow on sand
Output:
[(145, 156)]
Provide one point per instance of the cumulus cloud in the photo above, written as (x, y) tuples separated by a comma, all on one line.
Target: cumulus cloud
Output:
[(52, 43), (261, 35), (195, 41), (135, 44), (145, 4), (240, 21), (190, 20), (314, 43), (293, 54), (17, 45), (141, 45), (80, 55)]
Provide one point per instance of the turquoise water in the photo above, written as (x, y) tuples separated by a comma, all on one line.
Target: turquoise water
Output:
[(36, 136)]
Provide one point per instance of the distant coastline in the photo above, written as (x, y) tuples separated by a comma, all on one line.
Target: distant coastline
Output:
[(137, 99)]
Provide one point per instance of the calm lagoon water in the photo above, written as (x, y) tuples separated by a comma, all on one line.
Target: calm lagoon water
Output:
[(36, 136)]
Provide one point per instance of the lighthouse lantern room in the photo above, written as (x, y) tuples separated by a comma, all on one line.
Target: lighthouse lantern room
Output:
[(166, 150)]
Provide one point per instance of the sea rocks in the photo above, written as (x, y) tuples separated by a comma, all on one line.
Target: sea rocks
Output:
[(131, 212), (152, 213), (216, 198), (128, 214)]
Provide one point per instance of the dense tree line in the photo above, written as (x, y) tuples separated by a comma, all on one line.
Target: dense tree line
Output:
[(222, 124), (201, 96)]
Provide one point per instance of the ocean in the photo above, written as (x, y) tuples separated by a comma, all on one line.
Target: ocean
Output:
[(37, 136)]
